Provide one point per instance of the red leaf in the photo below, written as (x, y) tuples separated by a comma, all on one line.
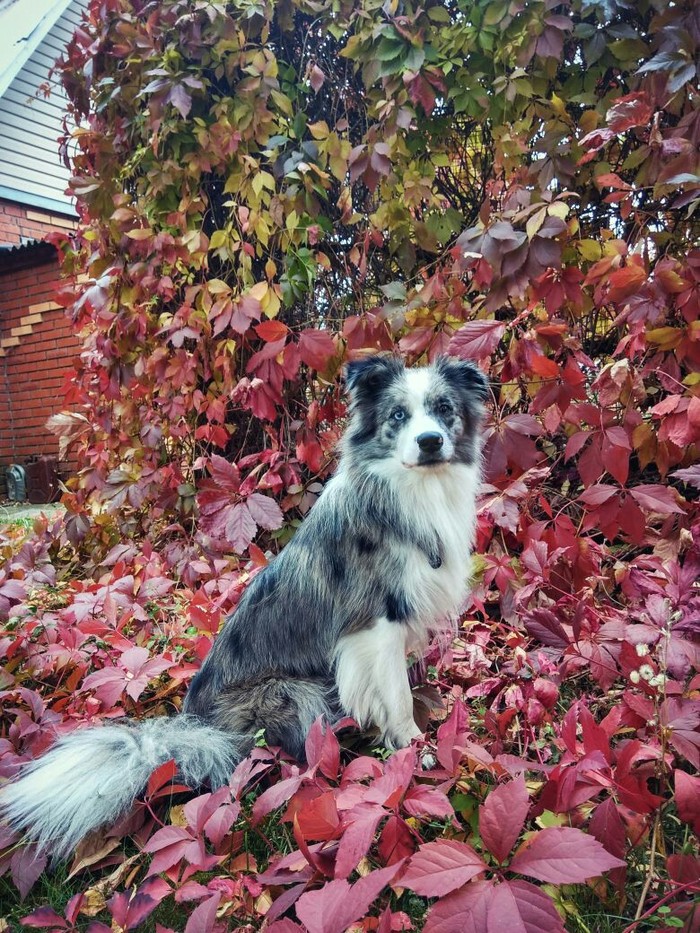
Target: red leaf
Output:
[(598, 495), (657, 498), (682, 717), (290, 869), (357, 838), (421, 92), (129, 911), (440, 867), (477, 339), (322, 749), (392, 785), (163, 775), (246, 309), (522, 907), (690, 476), (544, 625), (615, 451), (316, 348), (316, 78), (332, 908), (44, 917), (631, 110), (607, 827), (265, 511), (308, 449), (396, 841), (502, 817), (465, 911), (451, 737), (203, 917), (25, 867), (428, 802), (562, 855), (180, 99), (484, 907), (170, 844), (688, 798), (625, 282), (221, 821), (318, 818), (684, 869), (240, 527), (275, 796), (271, 330)]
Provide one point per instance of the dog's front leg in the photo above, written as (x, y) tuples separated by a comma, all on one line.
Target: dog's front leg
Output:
[(372, 681)]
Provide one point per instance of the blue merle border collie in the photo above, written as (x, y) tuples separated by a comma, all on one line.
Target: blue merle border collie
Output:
[(378, 567)]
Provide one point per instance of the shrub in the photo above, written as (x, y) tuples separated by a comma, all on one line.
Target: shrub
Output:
[(267, 189)]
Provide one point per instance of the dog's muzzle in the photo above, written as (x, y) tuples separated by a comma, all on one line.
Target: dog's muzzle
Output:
[(430, 442)]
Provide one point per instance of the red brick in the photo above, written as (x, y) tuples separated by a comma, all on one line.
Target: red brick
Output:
[(36, 368)]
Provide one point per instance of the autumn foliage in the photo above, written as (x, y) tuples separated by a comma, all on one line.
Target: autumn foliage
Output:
[(266, 190)]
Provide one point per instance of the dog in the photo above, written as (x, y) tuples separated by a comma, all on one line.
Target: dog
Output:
[(377, 568)]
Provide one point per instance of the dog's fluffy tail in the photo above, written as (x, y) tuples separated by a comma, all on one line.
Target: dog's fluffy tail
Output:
[(91, 777)]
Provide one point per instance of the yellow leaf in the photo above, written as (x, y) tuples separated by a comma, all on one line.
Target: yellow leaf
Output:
[(559, 107), (218, 287), (263, 903), (142, 233), (588, 121), (93, 903), (319, 130), (644, 442), (218, 239), (270, 303), (589, 250), (283, 102), (666, 338), (558, 209), (258, 291), (177, 815), (509, 394), (547, 819), (292, 221), (339, 166), (535, 222)]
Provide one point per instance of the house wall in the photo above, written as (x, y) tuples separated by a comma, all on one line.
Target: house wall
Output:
[(20, 223), (37, 348), (30, 124)]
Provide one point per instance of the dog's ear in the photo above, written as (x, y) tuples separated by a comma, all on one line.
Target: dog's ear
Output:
[(367, 376), (465, 376)]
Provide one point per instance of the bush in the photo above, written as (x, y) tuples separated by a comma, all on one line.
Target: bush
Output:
[(268, 189)]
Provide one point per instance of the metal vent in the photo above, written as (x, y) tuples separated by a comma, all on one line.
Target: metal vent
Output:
[(16, 480)]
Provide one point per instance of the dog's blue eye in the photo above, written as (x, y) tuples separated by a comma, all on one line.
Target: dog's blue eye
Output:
[(444, 408), (398, 415)]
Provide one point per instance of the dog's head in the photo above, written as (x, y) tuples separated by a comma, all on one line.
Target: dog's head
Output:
[(421, 418)]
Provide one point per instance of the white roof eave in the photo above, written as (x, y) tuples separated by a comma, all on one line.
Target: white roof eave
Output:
[(23, 25)]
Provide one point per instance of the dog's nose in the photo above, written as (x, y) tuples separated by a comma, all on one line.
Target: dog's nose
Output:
[(429, 442)]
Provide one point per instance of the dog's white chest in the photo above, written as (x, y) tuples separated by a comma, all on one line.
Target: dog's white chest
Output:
[(444, 511)]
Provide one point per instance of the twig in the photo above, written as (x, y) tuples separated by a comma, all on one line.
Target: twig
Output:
[(652, 861), (690, 886)]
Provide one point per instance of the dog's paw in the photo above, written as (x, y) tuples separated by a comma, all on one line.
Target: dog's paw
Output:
[(402, 736)]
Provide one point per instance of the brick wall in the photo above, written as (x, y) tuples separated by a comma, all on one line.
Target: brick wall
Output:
[(37, 346), (19, 223)]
